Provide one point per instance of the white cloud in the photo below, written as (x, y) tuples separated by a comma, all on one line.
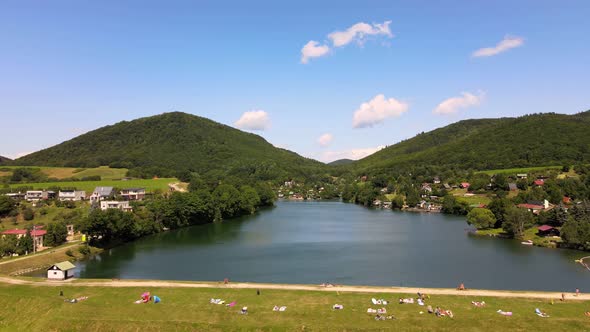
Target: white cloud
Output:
[(253, 120), (325, 139), (313, 49), (452, 105), (358, 32), (377, 110), (507, 43), (353, 154)]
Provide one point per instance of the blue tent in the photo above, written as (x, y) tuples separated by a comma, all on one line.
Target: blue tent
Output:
[(156, 299)]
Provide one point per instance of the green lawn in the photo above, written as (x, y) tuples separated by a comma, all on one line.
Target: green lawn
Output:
[(105, 172), (40, 308), (88, 186), (515, 171)]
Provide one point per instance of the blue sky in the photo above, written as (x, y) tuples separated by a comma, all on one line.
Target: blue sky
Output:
[(67, 67)]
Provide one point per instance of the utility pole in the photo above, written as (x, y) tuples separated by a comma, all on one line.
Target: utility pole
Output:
[(34, 239)]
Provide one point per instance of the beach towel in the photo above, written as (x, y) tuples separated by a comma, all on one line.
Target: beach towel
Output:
[(371, 311), (374, 301), (283, 308), (540, 313), (504, 313), (382, 311), (420, 302), (338, 306), (275, 308), (156, 299), (231, 304)]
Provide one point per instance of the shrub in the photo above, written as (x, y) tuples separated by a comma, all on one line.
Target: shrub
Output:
[(28, 214), (84, 250), (69, 253)]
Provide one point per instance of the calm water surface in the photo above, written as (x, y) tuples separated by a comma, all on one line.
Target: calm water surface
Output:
[(315, 242)]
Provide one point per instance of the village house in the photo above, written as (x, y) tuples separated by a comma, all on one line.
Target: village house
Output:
[(36, 234), (536, 206), (133, 194), (465, 185), (121, 205), (512, 186), (546, 230), (71, 195), (436, 180), (16, 196), (101, 193), (539, 182), (61, 271), (37, 195), (521, 176), (426, 188)]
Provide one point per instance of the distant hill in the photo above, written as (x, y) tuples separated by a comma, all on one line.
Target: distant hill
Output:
[(177, 142), (532, 140), (340, 162), (4, 160)]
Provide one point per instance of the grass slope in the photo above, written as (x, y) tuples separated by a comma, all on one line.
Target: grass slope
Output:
[(105, 172), (88, 186), (174, 141), (40, 308), (539, 139)]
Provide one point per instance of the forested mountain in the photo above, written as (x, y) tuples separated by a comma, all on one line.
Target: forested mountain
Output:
[(532, 140), (173, 143), (4, 160), (341, 162)]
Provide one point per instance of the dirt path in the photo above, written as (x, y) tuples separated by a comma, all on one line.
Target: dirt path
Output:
[(358, 289)]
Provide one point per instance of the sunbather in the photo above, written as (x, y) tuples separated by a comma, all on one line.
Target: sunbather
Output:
[(429, 308), (244, 311), (276, 308)]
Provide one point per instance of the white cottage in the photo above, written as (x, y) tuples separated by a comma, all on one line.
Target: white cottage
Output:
[(61, 271)]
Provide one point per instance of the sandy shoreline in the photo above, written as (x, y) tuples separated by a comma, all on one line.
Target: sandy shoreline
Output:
[(262, 286)]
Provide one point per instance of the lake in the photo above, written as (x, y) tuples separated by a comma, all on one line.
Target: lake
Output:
[(316, 242)]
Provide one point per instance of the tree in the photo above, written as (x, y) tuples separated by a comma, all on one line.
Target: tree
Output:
[(249, 200), (227, 200), (499, 207), (516, 221), (481, 218), (25, 244), (7, 205), (500, 181), (57, 234), (28, 214)]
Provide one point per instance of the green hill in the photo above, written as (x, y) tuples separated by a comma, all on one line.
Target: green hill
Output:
[(340, 162), (532, 140), (173, 143), (4, 160)]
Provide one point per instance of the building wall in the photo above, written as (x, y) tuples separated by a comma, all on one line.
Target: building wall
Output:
[(55, 274)]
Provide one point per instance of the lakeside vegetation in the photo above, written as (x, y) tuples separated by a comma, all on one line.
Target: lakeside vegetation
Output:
[(188, 309)]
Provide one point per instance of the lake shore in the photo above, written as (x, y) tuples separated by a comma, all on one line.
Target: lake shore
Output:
[(302, 287)]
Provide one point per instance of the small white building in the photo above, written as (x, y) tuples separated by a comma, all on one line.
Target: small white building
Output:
[(34, 195), (133, 194), (61, 271), (71, 195), (101, 193), (121, 205)]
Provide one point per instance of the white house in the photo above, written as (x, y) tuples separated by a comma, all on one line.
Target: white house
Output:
[(133, 194), (121, 205), (71, 195), (61, 271), (101, 193), (34, 195)]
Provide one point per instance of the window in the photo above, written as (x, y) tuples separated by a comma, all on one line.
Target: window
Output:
[(54, 273)]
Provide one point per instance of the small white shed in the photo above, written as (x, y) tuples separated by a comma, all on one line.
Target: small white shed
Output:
[(61, 271)]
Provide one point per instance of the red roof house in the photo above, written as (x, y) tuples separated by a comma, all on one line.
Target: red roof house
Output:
[(539, 182), (465, 185)]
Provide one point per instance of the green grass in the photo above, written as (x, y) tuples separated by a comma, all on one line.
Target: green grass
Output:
[(105, 172), (88, 186), (514, 171), (40, 308)]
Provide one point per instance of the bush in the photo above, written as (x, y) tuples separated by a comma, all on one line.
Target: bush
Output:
[(28, 214), (69, 253), (43, 211), (84, 250)]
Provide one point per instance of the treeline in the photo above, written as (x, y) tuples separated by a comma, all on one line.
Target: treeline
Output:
[(201, 205)]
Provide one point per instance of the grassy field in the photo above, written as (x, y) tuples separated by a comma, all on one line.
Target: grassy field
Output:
[(38, 308), (88, 186), (42, 259), (105, 172), (514, 171)]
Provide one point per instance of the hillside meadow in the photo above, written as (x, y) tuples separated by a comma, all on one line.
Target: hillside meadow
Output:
[(88, 186), (37, 308), (105, 172)]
